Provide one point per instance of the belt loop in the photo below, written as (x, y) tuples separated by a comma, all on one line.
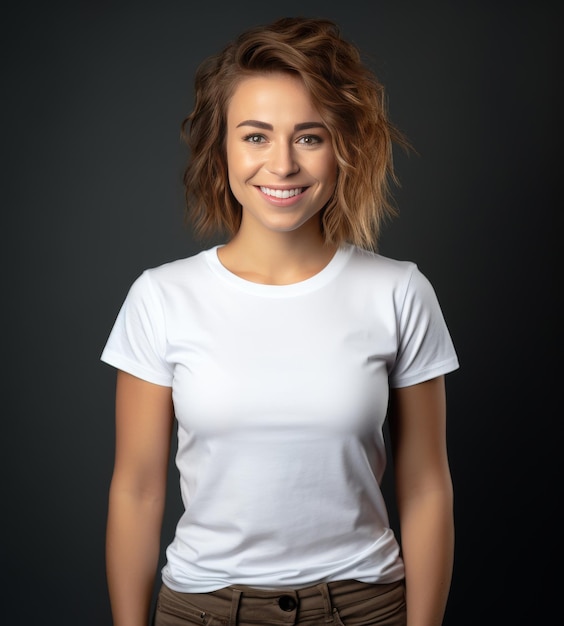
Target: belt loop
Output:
[(235, 600), (327, 605)]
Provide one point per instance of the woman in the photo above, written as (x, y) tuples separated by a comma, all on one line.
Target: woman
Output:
[(280, 354)]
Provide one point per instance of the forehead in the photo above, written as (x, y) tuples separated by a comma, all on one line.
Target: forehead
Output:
[(277, 95)]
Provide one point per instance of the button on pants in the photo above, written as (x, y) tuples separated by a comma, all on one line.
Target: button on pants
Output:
[(341, 603)]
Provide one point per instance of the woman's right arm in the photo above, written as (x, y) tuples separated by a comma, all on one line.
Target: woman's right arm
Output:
[(144, 419)]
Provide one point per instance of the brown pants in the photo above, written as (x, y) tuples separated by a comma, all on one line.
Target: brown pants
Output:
[(342, 603)]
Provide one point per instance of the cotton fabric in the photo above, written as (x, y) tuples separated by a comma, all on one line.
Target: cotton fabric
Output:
[(280, 393)]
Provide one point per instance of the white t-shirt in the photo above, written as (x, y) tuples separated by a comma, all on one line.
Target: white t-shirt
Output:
[(280, 393)]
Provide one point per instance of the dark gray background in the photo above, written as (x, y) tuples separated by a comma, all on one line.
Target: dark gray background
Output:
[(94, 93)]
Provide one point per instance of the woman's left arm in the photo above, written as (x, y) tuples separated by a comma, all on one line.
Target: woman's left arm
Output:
[(424, 496)]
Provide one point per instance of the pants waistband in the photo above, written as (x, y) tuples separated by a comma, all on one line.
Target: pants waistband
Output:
[(278, 606)]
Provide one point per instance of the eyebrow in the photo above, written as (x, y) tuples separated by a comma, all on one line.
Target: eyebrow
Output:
[(265, 126)]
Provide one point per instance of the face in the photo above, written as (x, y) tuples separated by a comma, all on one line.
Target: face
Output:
[(281, 164)]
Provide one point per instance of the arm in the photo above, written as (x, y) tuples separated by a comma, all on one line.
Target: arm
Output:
[(424, 498), (144, 418)]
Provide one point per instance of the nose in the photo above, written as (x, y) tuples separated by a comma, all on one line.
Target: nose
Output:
[(282, 160)]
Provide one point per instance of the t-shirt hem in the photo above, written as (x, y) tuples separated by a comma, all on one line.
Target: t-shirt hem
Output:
[(210, 588), (131, 367), (445, 367)]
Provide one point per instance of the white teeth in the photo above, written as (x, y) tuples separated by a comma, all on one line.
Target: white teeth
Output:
[(281, 193)]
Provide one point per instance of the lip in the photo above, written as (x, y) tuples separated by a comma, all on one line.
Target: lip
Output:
[(291, 199)]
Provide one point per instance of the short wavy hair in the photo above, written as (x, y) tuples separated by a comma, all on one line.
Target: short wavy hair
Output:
[(351, 102)]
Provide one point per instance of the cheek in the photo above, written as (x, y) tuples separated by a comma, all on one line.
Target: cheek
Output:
[(241, 164), (331, 175), (230, 158), (325, 168), (233, 168), (239, 172)]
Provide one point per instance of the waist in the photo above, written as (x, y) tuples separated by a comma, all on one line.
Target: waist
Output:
[(239, 605)]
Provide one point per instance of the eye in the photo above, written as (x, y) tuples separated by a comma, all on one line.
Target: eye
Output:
[(310, 140), (254, 138)]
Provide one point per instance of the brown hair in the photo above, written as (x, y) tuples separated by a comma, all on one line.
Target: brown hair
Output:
[(350, 100)]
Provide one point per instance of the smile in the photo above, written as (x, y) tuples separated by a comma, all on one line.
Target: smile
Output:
[(282, 193)]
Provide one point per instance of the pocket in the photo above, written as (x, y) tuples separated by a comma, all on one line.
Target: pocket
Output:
[(382, 609), (175, 609)]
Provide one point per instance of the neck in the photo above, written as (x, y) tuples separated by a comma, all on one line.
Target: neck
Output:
[(277, 258)]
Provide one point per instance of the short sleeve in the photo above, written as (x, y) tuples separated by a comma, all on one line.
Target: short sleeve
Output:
[(425, 347), (137, 341)]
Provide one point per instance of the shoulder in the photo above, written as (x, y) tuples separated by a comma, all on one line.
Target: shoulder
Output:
[(185, 272), (375, 261), (400, 281), (372, 266), (178, 269), (161, 282)]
